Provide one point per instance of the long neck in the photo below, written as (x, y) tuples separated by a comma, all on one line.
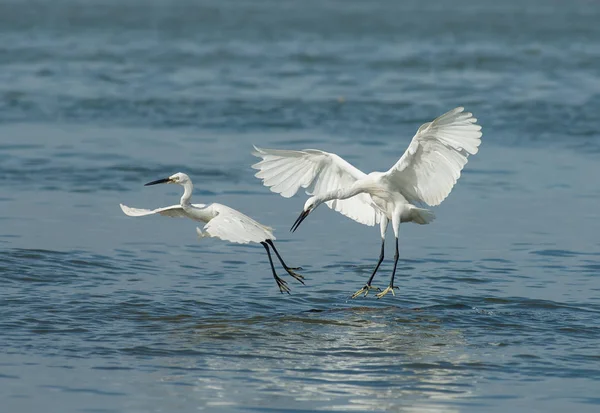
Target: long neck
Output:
[(342, 193), (188, 188)]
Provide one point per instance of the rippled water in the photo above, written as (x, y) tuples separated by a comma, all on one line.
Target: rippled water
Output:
[(499, 299)]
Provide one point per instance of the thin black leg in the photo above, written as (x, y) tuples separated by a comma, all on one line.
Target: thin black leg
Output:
[(289, 270), (365, 290), (270, 242), (283, 288), (391, 286), (396, 256), (381, 256)]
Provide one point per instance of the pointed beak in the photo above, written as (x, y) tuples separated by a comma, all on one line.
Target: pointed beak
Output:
[(301, 218), (159, 181)]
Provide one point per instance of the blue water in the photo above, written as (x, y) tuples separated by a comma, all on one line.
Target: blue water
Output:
[(499, 298)]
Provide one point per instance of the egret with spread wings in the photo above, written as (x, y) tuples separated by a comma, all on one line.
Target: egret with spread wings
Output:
[(221, 222), (425, 174)]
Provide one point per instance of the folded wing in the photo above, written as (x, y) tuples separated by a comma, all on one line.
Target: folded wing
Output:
[(435, 157), (231, 225), (286, 171)]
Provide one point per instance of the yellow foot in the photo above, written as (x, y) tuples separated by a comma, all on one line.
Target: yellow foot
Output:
[(294, 274), (365, 290), (282, 284), (390, 288)]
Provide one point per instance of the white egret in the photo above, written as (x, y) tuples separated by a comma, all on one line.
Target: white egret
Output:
[(425, 174), (221, 222)]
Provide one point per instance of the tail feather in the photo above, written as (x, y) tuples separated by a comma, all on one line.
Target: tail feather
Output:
[(422, 216)]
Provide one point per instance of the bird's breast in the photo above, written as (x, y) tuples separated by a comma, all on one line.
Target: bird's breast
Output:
[(389, 202), (382, 202)]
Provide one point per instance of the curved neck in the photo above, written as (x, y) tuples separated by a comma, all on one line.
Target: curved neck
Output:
[(188, 188), (342, 193)]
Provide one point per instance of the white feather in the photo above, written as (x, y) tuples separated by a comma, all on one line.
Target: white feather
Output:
[(435, 157), (174, 211), (425, 173), (221, 222), (286, 171), (231, 225)]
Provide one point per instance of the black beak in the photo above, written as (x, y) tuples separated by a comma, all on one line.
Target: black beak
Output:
[(301, 218), (158, 181)]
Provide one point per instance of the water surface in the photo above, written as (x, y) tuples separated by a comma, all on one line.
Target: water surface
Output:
[(498, 303)]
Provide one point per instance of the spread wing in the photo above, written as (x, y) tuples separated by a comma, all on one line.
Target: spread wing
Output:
[(175, 211), (435, 157), (286, 171), (231, 225)]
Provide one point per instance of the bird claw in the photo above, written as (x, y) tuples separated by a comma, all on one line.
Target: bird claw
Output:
[(390, 288), (282, 284), (297, 276), (365, 290)]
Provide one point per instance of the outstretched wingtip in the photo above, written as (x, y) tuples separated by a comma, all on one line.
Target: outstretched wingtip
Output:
[(455, 111), (257, 151), (126, 210)]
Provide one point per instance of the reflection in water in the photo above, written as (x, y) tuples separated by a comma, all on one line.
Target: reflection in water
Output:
[(348, 359)]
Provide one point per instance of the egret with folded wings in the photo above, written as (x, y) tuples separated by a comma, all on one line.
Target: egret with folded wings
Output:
[(425, 174)]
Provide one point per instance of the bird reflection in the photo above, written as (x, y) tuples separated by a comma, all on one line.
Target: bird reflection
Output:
[(385, 358)]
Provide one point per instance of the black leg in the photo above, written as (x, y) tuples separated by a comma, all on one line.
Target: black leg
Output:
[(391, 286), (283, 288), (367, 286), (381, 256), (289, 270), (396, 256), (270, 242)]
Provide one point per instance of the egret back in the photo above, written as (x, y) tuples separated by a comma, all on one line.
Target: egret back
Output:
[(231, 225)]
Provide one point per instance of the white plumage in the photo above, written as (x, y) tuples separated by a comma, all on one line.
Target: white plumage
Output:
[(285, 172), (425, 174), (173, 211), (435, 157), (221, 222), (231, 225)]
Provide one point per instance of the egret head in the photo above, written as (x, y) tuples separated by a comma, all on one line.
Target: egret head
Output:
[(178, 178), (310, 204)]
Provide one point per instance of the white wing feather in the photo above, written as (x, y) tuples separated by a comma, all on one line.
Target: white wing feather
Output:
[(286, 171), (175, 211), (170, 211), (435, 157), (231, 225)]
